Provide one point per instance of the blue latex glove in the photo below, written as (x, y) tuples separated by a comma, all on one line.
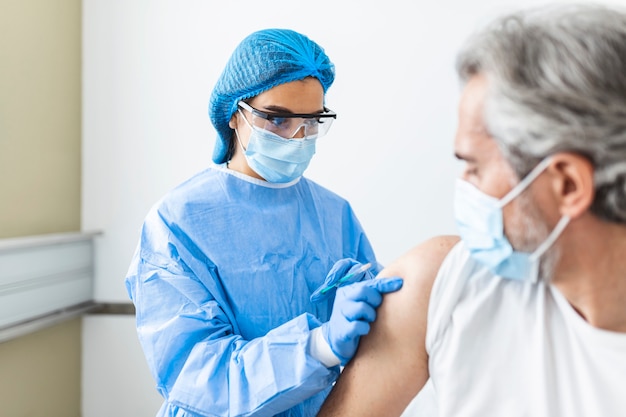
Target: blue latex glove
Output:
[(340, 270), (353, 311)]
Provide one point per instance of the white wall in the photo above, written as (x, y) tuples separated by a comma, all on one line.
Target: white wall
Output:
[(115, 380), (149, 67)]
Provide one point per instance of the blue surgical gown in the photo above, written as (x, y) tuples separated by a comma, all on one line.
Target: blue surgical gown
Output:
[(221, 281)]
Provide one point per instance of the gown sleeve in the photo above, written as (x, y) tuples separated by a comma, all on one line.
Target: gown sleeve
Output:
[(190, 340)]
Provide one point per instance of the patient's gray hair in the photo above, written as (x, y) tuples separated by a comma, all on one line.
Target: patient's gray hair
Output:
[(557, 82)]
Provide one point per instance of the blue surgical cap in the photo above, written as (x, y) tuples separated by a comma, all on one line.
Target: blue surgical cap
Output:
[(263, 60)]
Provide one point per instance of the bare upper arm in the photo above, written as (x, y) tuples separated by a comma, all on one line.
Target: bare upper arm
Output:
[(391, 364)]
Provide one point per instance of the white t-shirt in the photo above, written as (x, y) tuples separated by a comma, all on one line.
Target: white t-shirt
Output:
[(506, 348)]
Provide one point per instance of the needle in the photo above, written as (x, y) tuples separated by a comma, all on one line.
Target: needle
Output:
[(363, 268)]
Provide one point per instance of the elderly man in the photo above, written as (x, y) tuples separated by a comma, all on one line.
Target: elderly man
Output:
[(525, 315)]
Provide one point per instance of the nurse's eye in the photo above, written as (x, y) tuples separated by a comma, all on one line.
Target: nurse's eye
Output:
[(279, 122)]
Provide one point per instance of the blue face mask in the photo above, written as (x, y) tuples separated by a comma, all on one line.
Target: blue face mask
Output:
[(276, 159), (479, 220)]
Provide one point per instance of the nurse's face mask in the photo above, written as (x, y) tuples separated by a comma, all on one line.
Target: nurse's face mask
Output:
[(281, 145), (480, 222)]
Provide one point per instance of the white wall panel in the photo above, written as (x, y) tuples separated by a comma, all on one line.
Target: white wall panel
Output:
[(42, 275)]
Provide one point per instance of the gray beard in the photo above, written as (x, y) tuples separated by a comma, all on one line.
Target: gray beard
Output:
[(528, 230)]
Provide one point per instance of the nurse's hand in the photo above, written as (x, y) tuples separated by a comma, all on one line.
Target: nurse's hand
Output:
[(353, 311), (337, 276)]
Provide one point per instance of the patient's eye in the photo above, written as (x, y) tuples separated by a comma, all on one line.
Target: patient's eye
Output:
[(469, 171)]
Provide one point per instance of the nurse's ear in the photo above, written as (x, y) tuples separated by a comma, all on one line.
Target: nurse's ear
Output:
[(232, 123), (572, 183)]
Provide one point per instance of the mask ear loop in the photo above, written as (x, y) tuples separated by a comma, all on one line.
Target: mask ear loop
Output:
[(237, 132), (239, 141), (525, 182), (552, 237)]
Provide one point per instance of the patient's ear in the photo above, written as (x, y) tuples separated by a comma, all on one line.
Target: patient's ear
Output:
[(572, 183)]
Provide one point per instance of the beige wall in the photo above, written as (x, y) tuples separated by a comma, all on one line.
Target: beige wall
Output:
[(40, 116), (40, 136), (40, 374)]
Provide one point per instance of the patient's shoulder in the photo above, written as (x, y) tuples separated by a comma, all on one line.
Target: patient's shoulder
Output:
[(422, 262), (394, 352), (405, 312)]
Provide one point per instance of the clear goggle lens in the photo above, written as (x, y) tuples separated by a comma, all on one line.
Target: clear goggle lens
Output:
[(290, 126)]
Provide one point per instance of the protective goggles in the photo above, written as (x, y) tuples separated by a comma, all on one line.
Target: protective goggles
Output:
[(288, 125)]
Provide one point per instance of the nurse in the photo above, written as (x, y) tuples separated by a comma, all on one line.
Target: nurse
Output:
[(231, 274)]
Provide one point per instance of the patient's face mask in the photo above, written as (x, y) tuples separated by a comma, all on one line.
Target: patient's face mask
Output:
[(480, 222), (274, 158)]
